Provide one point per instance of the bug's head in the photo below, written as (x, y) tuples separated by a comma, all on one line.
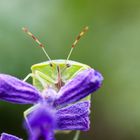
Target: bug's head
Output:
[(55, 72)]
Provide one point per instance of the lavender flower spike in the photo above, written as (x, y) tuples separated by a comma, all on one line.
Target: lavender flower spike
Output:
[(5, 136), (41, 123), (16, 91), (74, 117), (79, 87)]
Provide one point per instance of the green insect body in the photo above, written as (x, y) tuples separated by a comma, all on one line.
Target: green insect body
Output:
[(55, 75)]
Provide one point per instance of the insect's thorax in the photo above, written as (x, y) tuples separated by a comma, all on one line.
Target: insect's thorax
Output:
[(55, 73)]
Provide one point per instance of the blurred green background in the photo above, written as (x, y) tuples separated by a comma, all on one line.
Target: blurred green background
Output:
[(111, 46)]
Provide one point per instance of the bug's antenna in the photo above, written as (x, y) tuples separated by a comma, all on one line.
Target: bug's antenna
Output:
[(76, 41), (36, 40)]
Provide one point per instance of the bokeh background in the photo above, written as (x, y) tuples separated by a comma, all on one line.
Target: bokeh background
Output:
[(111, 46)]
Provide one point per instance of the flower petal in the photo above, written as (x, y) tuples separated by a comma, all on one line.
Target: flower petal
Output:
[(16, 91), (74, 117), (41, 123), (49, 95), (79, 87), (5, 136)]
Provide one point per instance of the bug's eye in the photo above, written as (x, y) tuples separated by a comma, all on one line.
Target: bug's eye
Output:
[(68, 65), (51, 64)]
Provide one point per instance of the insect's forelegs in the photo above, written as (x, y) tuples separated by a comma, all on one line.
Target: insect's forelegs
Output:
[(76, 137), (42, 78), (26, 113), (27, 77)]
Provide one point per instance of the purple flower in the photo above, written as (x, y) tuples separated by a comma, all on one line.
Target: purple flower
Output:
[(41, 123), (74, 117), (5, 136), (44, 120), (16, 91), (62, 110)]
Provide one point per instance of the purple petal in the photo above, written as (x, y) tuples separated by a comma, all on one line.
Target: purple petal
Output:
[(41, 123), (74, 117), (16, 91), (49, 95), (5, 136), (79, 87)]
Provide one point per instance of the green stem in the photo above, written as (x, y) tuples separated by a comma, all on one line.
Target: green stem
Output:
[(76, 137)]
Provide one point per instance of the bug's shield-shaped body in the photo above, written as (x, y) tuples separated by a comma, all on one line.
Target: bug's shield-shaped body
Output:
[(56, 75)]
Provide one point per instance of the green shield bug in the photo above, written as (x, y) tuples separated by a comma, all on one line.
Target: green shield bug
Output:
[(55, 73)]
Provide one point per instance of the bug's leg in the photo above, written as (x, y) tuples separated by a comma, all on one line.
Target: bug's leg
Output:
[(26, 113), (42, 78), (70, 77), (77, 134), (38, 77), (26, 120), (27, 77)]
